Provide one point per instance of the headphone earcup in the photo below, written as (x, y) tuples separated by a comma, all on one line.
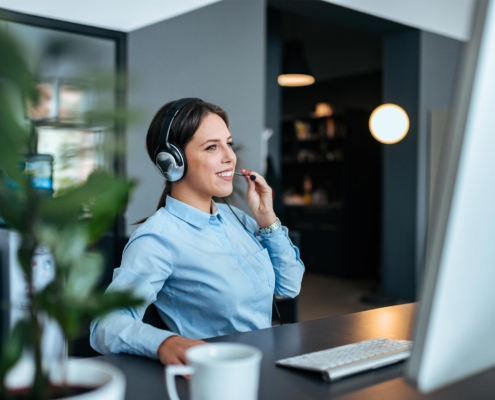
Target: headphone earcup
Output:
[(168, 163), (169, 158)]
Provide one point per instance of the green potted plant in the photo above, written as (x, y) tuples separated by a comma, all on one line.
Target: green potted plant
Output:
[(67, 224)]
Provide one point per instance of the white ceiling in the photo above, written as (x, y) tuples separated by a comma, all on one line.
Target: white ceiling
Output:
[(451, 18), (120, 15), (447, 17)]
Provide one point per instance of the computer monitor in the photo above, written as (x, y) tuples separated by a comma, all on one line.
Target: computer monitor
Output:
[(454, 334)]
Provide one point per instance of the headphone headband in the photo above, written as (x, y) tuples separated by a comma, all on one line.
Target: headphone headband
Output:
[(172, 112)]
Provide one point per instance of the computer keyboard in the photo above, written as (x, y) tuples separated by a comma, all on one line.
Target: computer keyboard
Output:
[(350, 359)]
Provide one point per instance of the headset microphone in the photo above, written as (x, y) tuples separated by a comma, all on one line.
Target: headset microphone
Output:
[(252, 177)]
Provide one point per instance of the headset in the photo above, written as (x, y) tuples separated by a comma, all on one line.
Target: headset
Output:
[(169, 158)]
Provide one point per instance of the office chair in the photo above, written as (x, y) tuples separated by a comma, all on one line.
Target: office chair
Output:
[(152, 318)]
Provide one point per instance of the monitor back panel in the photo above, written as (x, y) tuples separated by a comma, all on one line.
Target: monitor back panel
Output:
[(455, 327)]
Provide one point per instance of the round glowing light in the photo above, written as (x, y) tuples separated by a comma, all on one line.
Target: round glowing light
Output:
[(295, 80), (389, 123)]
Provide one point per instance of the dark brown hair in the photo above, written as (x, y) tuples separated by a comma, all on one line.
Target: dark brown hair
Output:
[(182, 131)]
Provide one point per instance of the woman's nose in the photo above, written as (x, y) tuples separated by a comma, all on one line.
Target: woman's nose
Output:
[(229, 155)]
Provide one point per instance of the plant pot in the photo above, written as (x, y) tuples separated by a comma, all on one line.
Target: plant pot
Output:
[(107, 380)]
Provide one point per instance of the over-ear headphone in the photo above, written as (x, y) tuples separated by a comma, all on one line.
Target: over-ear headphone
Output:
[(169, 158)]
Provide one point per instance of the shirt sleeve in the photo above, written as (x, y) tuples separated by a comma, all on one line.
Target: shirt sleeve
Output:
[(285, 257), (286, 261), (146, 264)]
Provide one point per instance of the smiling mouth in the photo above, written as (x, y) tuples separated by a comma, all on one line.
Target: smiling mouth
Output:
[(224, 174)]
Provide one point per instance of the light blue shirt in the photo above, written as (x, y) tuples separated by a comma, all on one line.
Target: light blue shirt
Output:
[(205, 273)]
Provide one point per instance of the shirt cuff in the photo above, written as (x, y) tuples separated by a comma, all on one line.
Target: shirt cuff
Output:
[(154, 338)]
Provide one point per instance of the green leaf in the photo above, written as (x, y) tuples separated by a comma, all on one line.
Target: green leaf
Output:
[(14, 141), (103, 195), (16, 86), (109, 202), (83, 276), (14, 345), (101, 304), (76, 310), (68, 243), (14, 68), (12, 204)]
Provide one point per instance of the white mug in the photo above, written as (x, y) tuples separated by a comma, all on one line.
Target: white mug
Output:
[(219, 371)]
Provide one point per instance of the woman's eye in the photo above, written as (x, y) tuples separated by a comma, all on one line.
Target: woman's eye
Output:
[(231, 144), (212, 147)]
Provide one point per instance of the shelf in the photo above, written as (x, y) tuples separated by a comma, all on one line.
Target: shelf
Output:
[(306, 117), (336, 164), (329, 206), (312, 140), (322, 139), (295, 162)]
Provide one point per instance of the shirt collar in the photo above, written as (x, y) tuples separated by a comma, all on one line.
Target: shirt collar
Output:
[(189, 213)]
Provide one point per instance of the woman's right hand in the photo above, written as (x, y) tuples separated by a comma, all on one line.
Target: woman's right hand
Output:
[(173, 350)]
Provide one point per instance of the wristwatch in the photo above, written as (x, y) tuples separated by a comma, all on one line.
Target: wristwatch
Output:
[(273, 227)]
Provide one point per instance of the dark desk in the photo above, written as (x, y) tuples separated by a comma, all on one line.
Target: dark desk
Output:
[(145, 378)]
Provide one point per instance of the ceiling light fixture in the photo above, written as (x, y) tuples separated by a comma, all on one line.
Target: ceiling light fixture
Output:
[(295, 70)]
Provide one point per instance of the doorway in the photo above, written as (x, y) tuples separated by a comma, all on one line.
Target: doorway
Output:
[(325, 165)]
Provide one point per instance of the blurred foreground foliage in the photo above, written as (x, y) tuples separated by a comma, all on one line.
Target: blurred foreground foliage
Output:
[(68, 224)]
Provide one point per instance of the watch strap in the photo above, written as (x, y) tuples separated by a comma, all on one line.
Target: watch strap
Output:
[(277, 224)]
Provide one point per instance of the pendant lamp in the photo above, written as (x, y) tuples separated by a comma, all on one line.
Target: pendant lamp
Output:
[(295, 70), (389, 123)]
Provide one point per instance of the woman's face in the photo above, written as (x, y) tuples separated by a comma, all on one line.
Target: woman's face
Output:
[(210, 159)]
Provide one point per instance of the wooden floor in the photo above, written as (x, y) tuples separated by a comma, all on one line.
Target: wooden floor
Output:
[(322, 296)]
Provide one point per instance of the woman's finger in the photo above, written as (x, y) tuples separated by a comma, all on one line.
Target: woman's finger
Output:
[(259, 178), (183, 359), (247, 173), (174, 360), (251, 190), (251, 184)]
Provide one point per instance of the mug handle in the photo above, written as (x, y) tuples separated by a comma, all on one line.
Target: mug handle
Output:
[(170, 372)]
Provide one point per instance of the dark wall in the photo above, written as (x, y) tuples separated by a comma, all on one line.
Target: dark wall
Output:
[(419, 75), (274, 46), (361, 197), (400, 86)]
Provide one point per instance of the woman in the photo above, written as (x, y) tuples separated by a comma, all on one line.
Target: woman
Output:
[(208, 271)]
